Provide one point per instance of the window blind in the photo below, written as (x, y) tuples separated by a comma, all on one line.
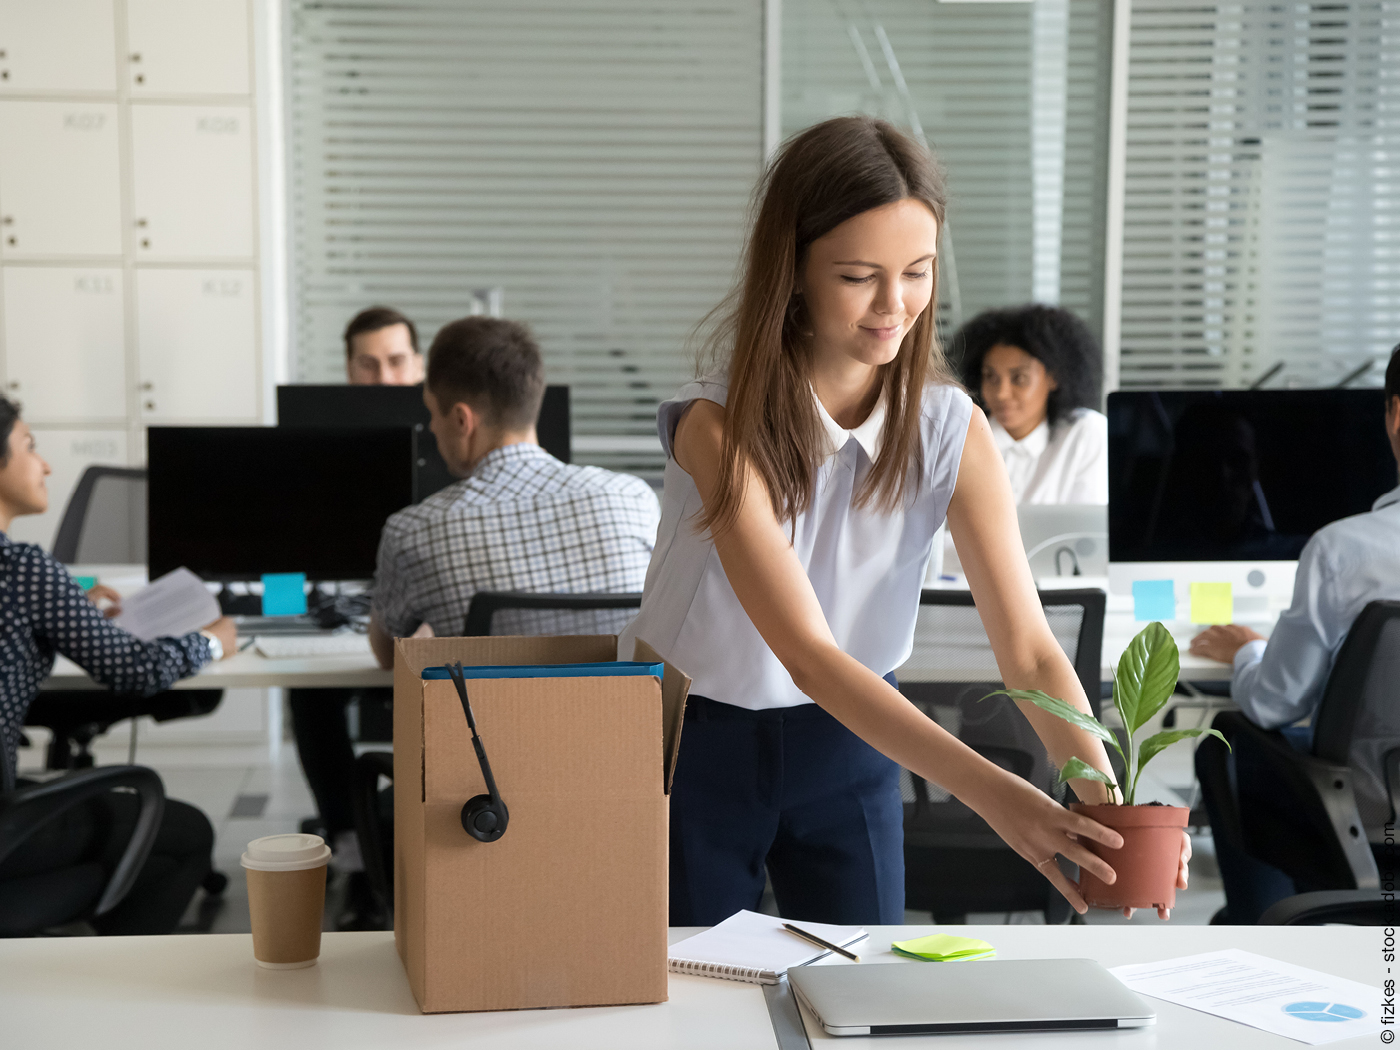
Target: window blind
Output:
[(587, 162), (1262, 197), (1011, 97)]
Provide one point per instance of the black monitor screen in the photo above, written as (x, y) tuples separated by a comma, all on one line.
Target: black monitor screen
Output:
[(232, 503), (339, 405), (1240, 475)]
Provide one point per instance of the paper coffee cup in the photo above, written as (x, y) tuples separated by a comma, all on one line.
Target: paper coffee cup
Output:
[(286, 897)]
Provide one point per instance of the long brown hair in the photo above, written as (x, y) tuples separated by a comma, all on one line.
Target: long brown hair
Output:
[(825, 175)]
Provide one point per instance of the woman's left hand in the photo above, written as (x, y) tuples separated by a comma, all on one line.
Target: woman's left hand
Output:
[(99, 593), (1181, 875)]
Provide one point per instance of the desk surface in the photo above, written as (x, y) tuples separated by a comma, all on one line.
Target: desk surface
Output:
[(932, 661), (251, 670), (152, 993)]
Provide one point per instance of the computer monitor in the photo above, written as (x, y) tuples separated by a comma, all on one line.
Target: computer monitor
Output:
[(232, 503), (340, 405), (1227, 486)]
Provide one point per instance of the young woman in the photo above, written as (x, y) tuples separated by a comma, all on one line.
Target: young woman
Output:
[(803, 489), (1038, 372), (44, 611)]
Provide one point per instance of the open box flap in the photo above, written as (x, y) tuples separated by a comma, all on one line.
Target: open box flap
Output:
[(675, 687)]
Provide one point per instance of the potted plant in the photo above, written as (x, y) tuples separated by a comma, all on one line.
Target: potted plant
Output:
[(1147, 863)]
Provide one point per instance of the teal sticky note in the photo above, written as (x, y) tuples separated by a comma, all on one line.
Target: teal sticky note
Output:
[(1154, 600), (284, 593), (87, 583)]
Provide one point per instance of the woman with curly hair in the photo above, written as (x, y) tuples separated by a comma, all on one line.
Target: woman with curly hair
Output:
[(1037, 372)]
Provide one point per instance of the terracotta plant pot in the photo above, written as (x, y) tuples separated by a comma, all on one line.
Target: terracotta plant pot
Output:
[(1146, 865)]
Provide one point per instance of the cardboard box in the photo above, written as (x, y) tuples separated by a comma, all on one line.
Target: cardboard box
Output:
[(569, 907)]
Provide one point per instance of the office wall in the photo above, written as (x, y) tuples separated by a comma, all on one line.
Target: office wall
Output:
[(132, 254), (592, 161)]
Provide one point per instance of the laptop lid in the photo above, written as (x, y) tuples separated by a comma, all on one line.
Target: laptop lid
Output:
[(1013, 995)]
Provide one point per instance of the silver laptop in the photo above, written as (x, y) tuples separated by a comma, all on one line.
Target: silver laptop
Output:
[(1060, 538), (1015, 995)]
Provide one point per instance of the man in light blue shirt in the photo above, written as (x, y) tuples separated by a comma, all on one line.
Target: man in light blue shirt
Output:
[(1344, 567)]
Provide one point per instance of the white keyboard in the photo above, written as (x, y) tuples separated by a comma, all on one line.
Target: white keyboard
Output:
[(295, 646)]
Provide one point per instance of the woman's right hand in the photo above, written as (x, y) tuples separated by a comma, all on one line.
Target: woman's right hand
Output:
[(226, 632), (1037, 827)]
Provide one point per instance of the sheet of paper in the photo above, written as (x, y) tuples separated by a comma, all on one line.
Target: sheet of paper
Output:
[(1278, 997), (284, 594), (1212, 603), (175, 604), (1154, 600)]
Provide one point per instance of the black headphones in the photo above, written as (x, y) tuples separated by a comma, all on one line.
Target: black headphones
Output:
[(485, 816)]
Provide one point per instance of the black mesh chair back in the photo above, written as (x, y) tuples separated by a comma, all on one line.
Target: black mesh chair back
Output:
[(105, 520), (954, 862), (1358, 722), (519, 613)]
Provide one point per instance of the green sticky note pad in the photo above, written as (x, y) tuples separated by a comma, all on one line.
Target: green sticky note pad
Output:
[(1212, 603), (943, 947), (87, 583)]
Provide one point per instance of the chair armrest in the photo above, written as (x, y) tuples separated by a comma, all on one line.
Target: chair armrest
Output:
[(1331, 785), (26, 810), (1349, 907), (369, 767)]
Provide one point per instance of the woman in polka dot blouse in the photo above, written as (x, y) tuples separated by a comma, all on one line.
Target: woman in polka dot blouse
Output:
[(43, 611)]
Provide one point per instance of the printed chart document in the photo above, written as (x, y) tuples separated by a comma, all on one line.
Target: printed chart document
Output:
[(175, 604), (1278, 997)]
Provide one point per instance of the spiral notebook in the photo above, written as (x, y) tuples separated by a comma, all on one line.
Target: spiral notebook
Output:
[(754, 948)]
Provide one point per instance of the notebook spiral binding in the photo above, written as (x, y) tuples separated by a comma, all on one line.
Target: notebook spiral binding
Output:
[(723, 971)]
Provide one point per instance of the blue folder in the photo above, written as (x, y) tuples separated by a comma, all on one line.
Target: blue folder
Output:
[(609, 669)]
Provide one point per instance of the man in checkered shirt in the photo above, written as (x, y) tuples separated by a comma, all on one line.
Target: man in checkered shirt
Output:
[(520, 520)]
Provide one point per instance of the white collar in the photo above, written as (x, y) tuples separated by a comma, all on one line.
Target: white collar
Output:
[(868, 435), (1032, 445), (1393, 496)]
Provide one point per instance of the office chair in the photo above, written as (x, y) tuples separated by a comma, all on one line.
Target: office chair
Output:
[(105, 524), (1316, 826), (490, 612), (953, 862), (1327, 907), (85, 888)]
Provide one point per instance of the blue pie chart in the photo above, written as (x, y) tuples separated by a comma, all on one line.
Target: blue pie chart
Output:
[(1325, 1012)]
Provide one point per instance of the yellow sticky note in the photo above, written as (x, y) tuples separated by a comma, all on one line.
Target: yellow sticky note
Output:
[(942, 947), (1212, 603)]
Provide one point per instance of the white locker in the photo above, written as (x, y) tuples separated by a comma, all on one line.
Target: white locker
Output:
[(182, 47), (68, 453), (65, 345), (192, 174), (58, 45), (60, 179), (198, 345)]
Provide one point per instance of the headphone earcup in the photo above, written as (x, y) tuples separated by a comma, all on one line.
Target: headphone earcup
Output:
[(485, 820)]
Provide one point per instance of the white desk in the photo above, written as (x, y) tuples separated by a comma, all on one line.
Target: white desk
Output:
[(940, 658), (153, 993), (251, 670)]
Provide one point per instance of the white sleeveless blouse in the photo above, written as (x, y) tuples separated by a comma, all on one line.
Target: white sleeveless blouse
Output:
[(866, 567)]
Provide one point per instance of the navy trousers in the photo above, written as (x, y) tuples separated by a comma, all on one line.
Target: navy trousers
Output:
[(793, 790)]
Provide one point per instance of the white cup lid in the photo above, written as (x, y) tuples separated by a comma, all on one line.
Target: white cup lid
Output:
[(293, 852)]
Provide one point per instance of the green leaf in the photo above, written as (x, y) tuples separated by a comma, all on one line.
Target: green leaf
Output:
[(1065, 710), (1158, 742), (1078, 769), (1146, 675)]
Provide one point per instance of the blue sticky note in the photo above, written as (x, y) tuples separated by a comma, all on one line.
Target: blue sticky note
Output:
[(284, 593), (1154, 600), (87, 583)]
